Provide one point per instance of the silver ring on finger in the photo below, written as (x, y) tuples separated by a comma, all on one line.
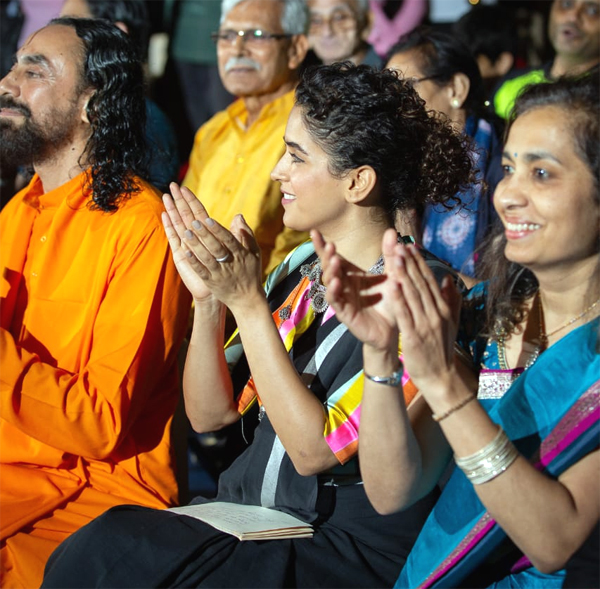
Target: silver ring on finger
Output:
[(223, 259)]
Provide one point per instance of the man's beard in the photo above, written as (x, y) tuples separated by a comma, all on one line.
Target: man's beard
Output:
[(31, 143)]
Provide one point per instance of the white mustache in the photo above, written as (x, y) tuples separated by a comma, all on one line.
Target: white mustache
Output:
[(241, 62)]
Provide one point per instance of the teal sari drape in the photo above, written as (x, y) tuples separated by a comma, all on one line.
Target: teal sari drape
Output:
[(552, 414)]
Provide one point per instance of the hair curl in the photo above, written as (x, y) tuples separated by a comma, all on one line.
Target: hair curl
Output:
[(510, 284), (360, 115), (116, 148), (442, 56)]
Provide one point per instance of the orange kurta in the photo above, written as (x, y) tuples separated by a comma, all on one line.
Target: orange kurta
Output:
[(92, 315)]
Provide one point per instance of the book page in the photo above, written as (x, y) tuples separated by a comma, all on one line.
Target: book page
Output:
[(243, 520)]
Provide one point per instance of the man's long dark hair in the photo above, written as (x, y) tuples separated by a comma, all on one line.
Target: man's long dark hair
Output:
[(116, 149)]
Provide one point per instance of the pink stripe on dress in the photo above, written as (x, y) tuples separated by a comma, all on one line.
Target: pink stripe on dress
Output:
[(345, 433)]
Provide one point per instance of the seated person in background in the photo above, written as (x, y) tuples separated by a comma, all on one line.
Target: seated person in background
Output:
[(346, 133), (490, 33), (447, 78), (524, 494), (131, 16), (574, 32), (339, 30), (93, 311), (260, 46)]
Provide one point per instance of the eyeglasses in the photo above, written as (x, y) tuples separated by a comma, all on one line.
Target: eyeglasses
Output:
[(252, 37), (423, 79), (414, 81), (338, 20)]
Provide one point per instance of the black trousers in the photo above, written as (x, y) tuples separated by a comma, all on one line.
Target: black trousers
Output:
[(132, 546)]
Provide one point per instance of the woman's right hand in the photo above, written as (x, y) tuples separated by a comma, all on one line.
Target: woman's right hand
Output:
[(177, 218), (357, 296), (427, 316)]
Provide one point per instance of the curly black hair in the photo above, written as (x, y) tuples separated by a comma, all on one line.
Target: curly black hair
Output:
[(116, 148), (511, 285), (360, 115)]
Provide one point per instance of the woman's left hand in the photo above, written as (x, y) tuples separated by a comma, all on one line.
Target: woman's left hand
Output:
[(228, 262)]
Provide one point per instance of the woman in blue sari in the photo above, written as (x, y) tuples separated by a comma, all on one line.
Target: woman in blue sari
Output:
[(523, 496)]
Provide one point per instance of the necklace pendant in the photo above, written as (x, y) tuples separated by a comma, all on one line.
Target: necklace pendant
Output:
[(318, 302), (285, 313)]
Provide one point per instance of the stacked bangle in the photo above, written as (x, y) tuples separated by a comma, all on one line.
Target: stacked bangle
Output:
[(489, 462)]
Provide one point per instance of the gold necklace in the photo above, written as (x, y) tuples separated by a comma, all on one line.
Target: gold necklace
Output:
[(544, 335)]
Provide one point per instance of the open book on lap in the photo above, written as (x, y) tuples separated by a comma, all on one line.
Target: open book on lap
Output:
[(247, 522)]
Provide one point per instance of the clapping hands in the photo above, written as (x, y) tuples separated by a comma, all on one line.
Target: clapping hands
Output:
[(212, 261), (406, 299)]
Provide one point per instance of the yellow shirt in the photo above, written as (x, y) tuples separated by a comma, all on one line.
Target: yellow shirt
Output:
[(230, 169)]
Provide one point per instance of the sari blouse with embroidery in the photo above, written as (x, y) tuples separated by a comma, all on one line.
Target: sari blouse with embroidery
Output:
[(551, 412)]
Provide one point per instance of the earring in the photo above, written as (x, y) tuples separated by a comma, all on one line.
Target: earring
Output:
[(455, 103)]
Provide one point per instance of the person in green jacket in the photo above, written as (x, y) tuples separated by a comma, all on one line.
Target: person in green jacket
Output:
[(574, 32)]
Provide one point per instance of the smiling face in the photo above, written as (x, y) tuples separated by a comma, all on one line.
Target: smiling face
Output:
[(574, 29), (312, 197), (247, 69), (547, 200), (41, 99)]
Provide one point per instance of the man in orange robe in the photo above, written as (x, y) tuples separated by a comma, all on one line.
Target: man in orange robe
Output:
[(92, 309)]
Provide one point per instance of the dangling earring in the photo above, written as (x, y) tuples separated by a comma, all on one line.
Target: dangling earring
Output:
[(455, 103)]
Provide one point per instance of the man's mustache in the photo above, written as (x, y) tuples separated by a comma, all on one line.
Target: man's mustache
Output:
[(10, 103), (245, 62)]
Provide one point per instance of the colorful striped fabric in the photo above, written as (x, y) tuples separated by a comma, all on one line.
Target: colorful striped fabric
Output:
[(342, 405)]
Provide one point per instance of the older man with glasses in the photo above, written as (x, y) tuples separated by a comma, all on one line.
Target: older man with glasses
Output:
[(339, 30), (260, 46)]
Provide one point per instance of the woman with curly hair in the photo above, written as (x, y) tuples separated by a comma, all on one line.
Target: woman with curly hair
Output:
[(523, 496), (359, 147)]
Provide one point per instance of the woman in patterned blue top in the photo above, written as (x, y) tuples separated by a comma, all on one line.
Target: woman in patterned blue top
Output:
[(447, 78)]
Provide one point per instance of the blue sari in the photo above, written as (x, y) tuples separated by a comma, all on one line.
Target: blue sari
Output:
[(552, 415)]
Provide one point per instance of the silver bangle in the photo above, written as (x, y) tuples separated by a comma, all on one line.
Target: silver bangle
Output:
[(392, 381), (489, 462)]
